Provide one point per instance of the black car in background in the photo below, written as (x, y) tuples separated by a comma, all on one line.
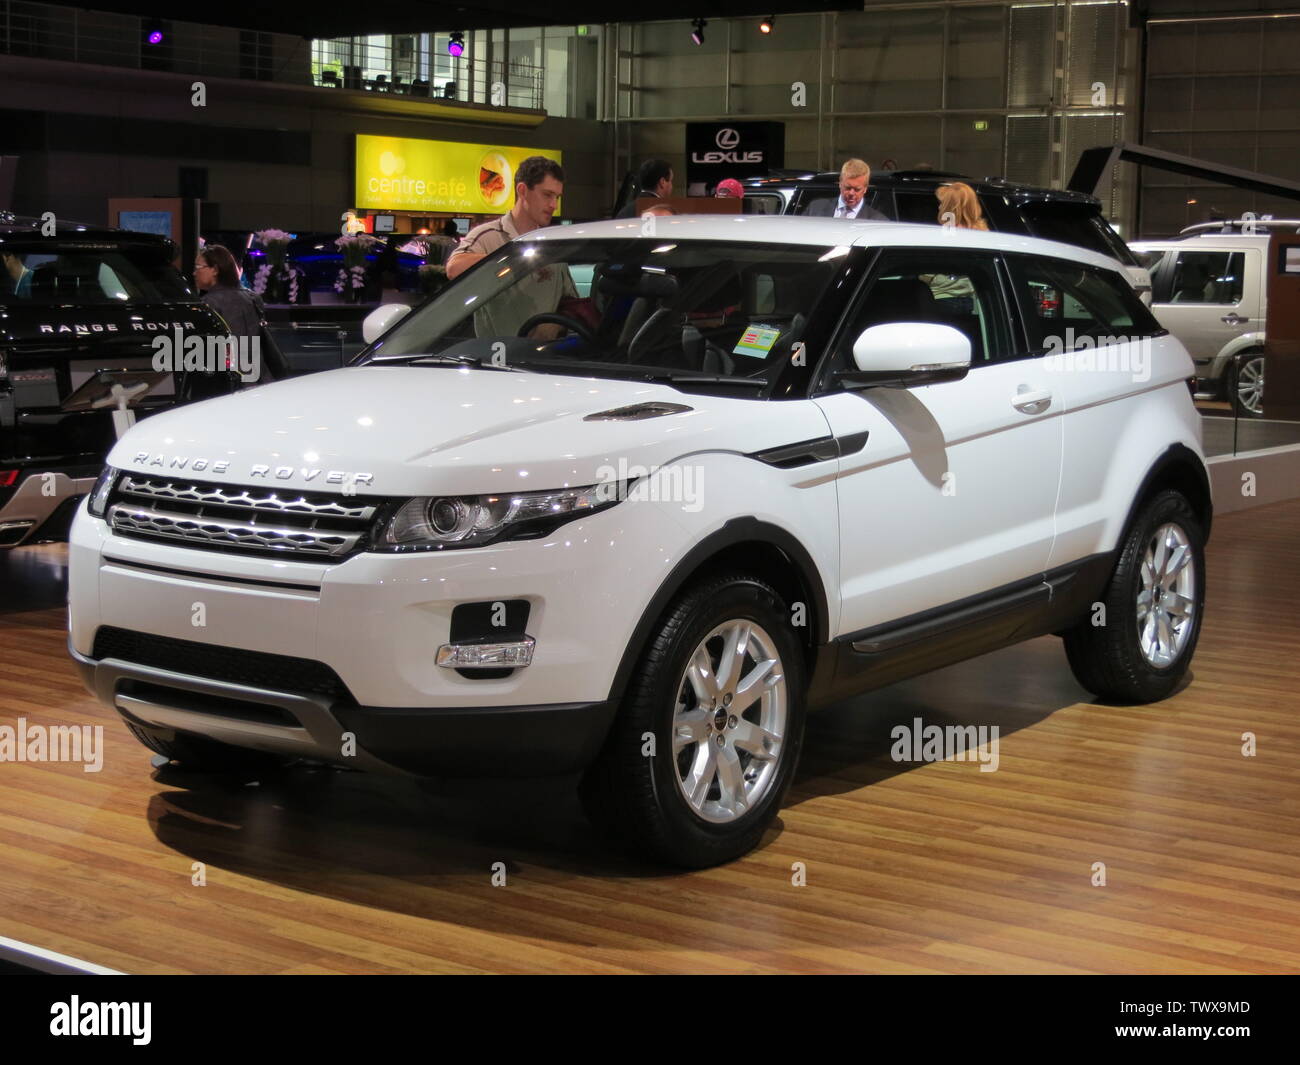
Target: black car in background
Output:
[(1009, 207), (74, 303)]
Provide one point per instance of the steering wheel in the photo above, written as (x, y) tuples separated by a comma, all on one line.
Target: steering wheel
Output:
[(572, 324)]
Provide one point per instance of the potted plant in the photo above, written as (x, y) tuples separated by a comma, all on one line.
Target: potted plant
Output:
[(351, 280), (275, 281)]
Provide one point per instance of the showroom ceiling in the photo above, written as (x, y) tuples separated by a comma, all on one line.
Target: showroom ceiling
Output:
[(415, 16)]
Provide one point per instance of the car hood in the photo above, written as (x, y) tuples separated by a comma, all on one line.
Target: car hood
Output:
[(419, 430)]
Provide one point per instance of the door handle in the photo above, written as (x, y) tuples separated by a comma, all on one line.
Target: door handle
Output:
[(1031, 401), (1233, 318)]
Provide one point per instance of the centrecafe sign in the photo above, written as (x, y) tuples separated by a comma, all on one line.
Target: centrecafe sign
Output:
[(404, 174)]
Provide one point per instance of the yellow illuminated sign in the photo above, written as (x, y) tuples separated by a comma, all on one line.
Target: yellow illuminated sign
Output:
[(404, 174)]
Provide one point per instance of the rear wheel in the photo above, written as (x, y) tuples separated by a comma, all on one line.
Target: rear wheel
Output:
[(1140, 651), (708, 737), (1248, 385)]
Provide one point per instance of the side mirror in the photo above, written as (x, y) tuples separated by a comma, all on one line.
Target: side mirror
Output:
[(904, 354), (381, 320)]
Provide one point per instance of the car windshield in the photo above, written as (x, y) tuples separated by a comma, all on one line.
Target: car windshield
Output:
[(723, 310), (37, 273)]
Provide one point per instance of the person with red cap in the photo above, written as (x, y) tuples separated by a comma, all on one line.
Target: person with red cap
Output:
[(729, 187)]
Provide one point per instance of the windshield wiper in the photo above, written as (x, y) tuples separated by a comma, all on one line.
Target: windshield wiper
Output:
[(642, 373), (475, 361)]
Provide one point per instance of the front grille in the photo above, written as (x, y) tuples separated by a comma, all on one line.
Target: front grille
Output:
[(255, 669), (228, 517)]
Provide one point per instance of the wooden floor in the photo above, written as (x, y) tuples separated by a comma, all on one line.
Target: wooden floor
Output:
[(926, 868)]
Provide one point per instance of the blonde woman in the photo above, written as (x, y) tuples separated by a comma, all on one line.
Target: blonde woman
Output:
[(959, 206)]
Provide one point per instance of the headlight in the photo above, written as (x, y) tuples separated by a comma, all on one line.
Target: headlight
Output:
[(99, 494), (472, 521)]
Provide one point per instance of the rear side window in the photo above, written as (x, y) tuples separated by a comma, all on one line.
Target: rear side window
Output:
[(1081, 226), (1064, 303), (1206, 277)]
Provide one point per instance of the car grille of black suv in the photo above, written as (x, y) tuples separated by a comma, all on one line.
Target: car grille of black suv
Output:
[(263, 520), (255, 669)]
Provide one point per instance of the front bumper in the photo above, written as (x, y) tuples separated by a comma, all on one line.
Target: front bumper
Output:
[(31, 512), (505, 741)]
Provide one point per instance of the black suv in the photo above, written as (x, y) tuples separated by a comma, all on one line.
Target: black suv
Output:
[(72, 304), (908, 196)]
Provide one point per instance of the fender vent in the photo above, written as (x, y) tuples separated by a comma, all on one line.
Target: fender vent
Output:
[(637, 412)]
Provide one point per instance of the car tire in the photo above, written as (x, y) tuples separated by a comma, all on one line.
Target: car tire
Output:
[(1140, 650), (1246, 385), (197, 754), (681, 777)]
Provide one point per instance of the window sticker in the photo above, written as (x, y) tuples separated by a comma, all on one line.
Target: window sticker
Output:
[(756, 340)]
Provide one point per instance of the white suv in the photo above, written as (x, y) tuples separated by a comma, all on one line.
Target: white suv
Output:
[(1210, 289), (763, 464)]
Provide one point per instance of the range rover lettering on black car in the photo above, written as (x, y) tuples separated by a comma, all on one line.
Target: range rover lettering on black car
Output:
[(752, 466), (75, 304)]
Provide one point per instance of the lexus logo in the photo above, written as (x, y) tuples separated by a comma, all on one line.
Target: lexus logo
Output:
[(727, 138)]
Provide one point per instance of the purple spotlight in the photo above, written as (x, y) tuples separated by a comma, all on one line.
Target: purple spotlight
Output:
[(456, 45), (155, 37)]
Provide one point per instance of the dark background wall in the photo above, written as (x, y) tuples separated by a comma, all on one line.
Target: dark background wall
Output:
[(275, 154)]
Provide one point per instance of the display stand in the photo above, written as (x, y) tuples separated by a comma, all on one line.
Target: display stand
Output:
[(119, 389)]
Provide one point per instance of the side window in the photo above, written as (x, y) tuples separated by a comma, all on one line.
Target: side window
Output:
[(763, 203), (913, 206), (1208, 277), (936, 285), (1064, 303)]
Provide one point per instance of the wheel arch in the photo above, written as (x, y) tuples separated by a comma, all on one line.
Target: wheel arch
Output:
[(752, 546), (1180, 468)]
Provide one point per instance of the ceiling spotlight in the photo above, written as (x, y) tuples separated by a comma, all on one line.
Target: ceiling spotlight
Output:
[(697, 30), (766, 25), (456, 46), (153, 33)]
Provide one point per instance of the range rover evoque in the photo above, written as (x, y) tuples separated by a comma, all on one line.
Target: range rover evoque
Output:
[(762, 465), (72, 303)]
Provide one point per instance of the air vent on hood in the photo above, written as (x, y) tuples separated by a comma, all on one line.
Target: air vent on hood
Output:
[(637, 412)]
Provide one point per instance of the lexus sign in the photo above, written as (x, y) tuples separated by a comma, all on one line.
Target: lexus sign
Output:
[(717, 150)]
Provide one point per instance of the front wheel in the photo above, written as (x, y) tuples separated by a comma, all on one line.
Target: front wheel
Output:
[(708, 737), (1138, 649)]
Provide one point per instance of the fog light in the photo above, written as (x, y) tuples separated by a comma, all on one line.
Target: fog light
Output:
[(512, 655)]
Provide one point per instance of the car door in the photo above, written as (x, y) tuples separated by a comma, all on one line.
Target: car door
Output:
[(1105, 350), (1200, 301), (953, 492)]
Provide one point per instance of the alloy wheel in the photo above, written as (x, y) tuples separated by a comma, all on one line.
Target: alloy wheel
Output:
[(729, 721), (1166, 600)]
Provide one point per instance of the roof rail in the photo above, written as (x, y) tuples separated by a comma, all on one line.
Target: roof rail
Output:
[(1227, 225)]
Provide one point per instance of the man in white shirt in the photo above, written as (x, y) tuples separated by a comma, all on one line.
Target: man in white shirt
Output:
[(539, 185), (855, 176)]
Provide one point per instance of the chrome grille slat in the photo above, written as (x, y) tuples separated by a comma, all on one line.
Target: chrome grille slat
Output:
[(265, 500), (268, 519), (226, 532)]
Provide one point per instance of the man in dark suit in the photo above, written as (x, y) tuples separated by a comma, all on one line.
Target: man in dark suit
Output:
[(855, 176), (655, 178)]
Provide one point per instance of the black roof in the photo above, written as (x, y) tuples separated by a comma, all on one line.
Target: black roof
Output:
[(925, 179), (13, 225)]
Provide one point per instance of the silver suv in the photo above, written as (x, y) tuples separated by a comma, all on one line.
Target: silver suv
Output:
[(1209, 289)]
